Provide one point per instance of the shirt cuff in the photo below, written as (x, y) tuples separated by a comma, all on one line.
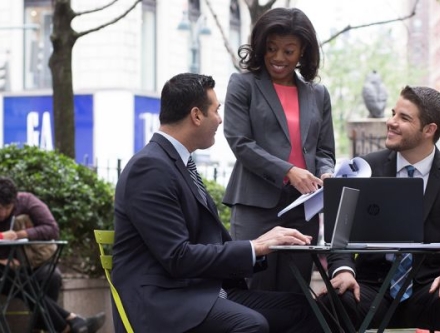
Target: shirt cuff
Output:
[(254, 257), (343, 268)]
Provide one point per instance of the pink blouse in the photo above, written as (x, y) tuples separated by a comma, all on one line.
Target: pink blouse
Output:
[(288, 96)]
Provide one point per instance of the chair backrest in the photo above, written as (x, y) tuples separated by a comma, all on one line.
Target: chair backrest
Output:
[(105, 238)]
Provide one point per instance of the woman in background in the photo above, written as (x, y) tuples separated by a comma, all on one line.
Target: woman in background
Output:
[(278, 123)]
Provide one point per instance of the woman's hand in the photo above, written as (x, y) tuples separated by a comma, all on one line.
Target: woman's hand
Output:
[(303, 180), (326, 175)]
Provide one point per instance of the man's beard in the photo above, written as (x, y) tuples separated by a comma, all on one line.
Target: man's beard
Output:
[(404, 143)]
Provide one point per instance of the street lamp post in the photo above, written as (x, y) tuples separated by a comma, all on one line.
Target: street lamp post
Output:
[(196, 29)]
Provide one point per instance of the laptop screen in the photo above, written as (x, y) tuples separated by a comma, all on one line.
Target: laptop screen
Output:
[(388, 209)]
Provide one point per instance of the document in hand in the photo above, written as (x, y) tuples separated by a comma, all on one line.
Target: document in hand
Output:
[(314, 202)]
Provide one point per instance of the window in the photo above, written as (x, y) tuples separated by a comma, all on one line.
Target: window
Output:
[(37, 44), (148, 50)]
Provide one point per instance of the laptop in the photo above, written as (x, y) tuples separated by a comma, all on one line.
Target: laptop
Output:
[(342, 226), (389, 212)]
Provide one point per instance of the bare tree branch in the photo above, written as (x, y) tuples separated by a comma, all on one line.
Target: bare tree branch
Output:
[(267, 6), (255, 10), (96, 9), (349, 27), (63, 39), (116, 19), (225, 39)]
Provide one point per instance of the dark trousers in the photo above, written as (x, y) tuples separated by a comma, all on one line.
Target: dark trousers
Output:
[(421, 310), (53, 285), (253, 311)]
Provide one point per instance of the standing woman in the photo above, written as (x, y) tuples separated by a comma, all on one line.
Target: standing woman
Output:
[(278, 123)]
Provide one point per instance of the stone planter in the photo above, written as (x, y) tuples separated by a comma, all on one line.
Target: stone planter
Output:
[(87, 297)]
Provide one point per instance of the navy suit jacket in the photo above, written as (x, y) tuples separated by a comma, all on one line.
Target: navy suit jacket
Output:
[(171, 254), (256, 128), (373, 268)]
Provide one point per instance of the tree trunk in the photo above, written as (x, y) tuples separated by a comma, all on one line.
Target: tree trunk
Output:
[(63, 39), (256, 10)]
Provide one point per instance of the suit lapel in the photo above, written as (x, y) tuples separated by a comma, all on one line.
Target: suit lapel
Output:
[(390, 165), (265, 85), (305, 98), (306, 103), (433, 185), (174, 155)]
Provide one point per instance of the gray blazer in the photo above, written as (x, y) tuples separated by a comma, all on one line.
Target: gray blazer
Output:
[(256, 129)]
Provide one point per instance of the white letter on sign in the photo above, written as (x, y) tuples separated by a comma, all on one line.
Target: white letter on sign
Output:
[(31, 129)]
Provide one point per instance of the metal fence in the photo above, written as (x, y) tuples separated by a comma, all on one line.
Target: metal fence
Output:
[(364, 143), (110, 171)]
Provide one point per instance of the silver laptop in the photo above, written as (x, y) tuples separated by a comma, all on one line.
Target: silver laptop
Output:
[(343, 224)]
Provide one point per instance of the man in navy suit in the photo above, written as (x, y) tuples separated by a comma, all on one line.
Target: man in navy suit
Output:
[(172, 257), (413, 130)]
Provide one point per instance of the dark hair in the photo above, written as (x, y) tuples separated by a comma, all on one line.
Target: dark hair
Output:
[(8, 191), (183, 92), (282, 21), (427, 101)]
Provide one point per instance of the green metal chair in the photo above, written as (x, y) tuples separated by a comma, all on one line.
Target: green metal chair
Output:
[(106, 238)]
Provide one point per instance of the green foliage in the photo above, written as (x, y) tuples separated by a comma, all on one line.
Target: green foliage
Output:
[(79, 201), (217, 191), (347, 61)]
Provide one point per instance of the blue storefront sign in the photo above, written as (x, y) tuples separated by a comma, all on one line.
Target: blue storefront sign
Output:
[(29, 120), (146, 119)]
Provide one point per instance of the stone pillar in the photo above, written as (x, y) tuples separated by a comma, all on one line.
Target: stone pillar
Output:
[(366, 135)]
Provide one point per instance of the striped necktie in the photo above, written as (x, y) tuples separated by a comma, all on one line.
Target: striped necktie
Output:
[(191, 166), (405, 265)]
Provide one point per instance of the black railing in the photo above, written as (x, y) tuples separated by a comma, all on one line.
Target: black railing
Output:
[(364, 143), (110, 170)]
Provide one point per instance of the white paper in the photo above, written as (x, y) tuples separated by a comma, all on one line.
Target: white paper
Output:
[(15, 240), (314, 202)]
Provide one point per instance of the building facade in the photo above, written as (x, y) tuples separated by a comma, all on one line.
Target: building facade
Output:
[(118, 71)]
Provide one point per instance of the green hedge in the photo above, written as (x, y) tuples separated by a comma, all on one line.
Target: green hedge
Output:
[(78, 199), (217, 192)]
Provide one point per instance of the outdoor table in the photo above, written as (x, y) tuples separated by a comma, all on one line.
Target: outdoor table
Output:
[(24, 284), (337, 306)]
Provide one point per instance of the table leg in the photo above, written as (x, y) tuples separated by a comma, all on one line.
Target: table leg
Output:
[(305, 288), (402, 290), (6, 277), (39, 291), (31, 292), (337, 306), (379, 297)]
